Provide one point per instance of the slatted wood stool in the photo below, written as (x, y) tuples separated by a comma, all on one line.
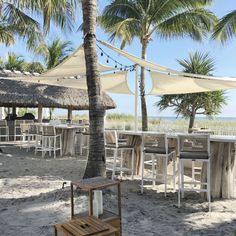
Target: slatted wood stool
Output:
[(85, 226)]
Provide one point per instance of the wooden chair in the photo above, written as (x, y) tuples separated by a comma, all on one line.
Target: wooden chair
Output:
[(154, 150), (194, 147)]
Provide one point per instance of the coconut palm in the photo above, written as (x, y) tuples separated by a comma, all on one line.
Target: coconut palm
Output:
[(34, 67), (16, 18), (189, 105), (127, 19), (14, 62), (54, 53), (226, 27), (96, 159)]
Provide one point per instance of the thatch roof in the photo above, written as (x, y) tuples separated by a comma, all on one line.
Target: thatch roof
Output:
[(23, 94)]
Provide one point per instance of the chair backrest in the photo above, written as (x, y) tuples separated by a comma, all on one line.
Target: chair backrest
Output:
[(111, 137), (48, 130), (194, 143), (203, 132), (3, 123), (55, 122), (157, 140), (18, 122), (28, 121), (24, 128), (33, 129)]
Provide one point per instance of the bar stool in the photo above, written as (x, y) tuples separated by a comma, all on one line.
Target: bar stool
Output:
[(111, 143), (50, 140), (194, 147), (17, 128), (4, 130), (25, 136), (156, 147)]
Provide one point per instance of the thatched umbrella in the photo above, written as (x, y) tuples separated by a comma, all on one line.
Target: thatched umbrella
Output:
[(22, 94)]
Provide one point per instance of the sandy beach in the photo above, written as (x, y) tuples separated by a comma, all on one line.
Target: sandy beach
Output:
[(32, 201)]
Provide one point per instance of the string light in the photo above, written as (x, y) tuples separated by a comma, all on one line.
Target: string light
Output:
[(118, 65)]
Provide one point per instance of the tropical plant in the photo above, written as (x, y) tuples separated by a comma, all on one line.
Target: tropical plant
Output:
[(226, 27), (54, 53), (127, 19), (16, 19), (14, 62), (190, 105), (96, 159), (34, 67)]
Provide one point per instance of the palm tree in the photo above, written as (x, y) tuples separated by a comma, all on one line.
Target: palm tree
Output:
[(14, 62), (34, 67), (127, 19), (189, 105), (96, 159), (226, 27), (54, 53), (16, 19)]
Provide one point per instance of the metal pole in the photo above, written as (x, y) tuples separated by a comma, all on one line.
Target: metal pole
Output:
[(136, 100)]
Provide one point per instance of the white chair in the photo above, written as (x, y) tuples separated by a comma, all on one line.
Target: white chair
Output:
[(51, 142), (25, 136), (111, 143), (195, 148), (17, 128), (154, 150), (4, 130), (34, 139)]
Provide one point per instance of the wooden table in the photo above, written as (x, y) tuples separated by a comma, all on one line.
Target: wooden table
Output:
[(223, 163), (85, 226), (92, 184)]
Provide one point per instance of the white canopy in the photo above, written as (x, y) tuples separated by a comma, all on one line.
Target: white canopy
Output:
[(139, 61), (177, 84), (71, 73), (74, 65), (112, 82)]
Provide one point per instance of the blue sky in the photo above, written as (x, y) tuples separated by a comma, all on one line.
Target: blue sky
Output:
[(163, 52)]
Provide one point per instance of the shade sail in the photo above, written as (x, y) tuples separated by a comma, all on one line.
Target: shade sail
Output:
[(113, 83), (74, 65), (139, 61), (164, 84), (72, 71)]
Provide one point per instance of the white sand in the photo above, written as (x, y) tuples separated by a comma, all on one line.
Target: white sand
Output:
[(32, 201)]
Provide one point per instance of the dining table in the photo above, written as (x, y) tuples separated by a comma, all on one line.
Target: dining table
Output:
[(222, 160), (68, 134)]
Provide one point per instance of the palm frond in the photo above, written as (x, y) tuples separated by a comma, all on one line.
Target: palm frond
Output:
[(226, 28), (195, 23)]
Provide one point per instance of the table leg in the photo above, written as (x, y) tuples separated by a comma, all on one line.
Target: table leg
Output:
[(90, 202), (72, 200)]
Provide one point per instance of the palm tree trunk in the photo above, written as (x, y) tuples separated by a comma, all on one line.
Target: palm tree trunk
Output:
[(142, 91), (191, 122), (96, 159)]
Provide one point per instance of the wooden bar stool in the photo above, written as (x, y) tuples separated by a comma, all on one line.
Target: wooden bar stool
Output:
[(85, 226)]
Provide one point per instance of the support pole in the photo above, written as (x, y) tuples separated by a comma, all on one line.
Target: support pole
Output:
[(136, 100), (40, 113), (13, 110), (69, 117)]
